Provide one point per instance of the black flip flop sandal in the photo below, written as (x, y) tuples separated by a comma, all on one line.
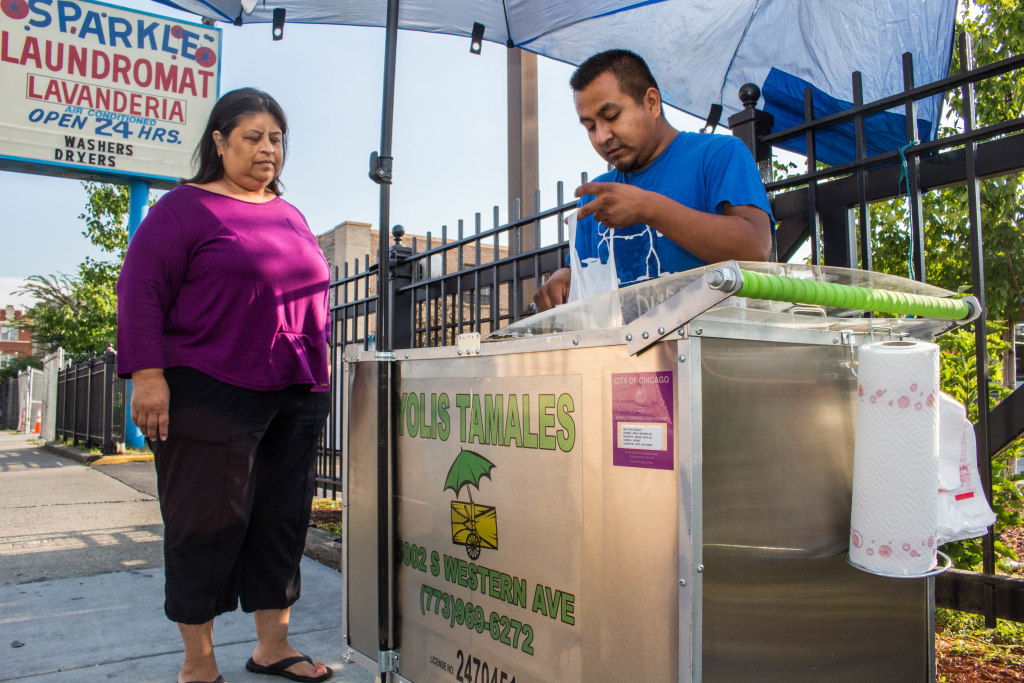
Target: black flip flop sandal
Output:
[(278, 669)]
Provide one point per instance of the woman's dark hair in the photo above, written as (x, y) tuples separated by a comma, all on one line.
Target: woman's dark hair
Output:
[(629, 69), (231, 108)]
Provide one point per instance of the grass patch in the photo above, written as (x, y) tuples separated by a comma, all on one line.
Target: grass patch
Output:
[(327, 515), (966, 648), (96, 450), (961, 624)]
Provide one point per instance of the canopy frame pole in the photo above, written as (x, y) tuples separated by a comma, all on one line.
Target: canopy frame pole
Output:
[(380, 173)]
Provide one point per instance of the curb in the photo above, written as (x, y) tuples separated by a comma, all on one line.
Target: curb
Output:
[(72, 453), (93, 459), (324, 547), (121, 459)]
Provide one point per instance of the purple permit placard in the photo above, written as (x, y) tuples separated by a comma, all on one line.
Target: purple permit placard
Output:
[(643, 413)]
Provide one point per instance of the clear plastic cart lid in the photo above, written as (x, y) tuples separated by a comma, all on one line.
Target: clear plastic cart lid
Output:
[(621, 307)]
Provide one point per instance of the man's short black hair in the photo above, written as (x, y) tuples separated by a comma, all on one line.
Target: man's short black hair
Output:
[(629, 69)]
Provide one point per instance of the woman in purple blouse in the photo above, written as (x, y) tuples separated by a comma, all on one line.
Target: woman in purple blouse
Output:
[(222, 319)]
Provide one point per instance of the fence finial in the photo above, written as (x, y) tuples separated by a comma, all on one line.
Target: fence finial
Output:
[(398, 232), (749, 95)]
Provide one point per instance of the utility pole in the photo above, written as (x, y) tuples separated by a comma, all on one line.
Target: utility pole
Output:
[(523, 154)]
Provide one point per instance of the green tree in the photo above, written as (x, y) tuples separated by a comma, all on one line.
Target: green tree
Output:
[(79, 312), (19, 364)]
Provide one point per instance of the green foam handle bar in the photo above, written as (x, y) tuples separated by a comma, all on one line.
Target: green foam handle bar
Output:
[(782, 288)]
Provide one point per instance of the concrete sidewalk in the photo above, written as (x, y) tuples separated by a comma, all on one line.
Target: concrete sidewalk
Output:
[(81, 580)]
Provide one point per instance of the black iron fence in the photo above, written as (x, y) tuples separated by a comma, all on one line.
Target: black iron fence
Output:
[(9, 403), (481, 279), (90, 403)]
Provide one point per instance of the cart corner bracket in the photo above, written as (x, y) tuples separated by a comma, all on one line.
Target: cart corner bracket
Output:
[(388, 661), (673, 313), (468, 343)]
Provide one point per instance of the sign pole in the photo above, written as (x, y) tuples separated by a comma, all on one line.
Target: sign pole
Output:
[(138, 202)]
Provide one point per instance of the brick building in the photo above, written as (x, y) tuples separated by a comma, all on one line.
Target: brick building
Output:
[(352, 242), (15, 341)]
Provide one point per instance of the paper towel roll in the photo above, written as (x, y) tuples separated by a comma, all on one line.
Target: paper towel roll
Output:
[(895, 471)]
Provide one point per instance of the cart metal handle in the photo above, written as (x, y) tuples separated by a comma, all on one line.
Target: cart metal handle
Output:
[(782, 288), (727, 279)]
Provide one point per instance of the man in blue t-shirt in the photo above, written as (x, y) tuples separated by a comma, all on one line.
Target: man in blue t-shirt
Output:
[(675, 200)]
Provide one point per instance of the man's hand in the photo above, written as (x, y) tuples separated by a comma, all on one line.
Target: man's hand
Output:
[(616, 205), (740, 232), (150, 402), (555, 291)]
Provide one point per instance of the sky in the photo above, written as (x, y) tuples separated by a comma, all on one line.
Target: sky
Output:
[(449, 141)]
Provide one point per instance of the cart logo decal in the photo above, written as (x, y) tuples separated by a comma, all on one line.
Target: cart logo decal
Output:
[(473, 525)]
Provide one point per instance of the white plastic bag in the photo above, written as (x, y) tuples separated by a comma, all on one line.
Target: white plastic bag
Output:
[(963, 510), (592, 282), (596, 278)]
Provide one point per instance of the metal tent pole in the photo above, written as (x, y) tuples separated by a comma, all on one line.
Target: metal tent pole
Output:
[(380, 173)]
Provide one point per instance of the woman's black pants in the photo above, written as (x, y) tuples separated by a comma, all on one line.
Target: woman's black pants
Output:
[(235, 478)]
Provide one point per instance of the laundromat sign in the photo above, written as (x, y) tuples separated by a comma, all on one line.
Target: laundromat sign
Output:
[(94, 87)]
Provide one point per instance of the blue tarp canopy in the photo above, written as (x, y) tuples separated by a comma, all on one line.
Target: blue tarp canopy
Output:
[(700, 51)]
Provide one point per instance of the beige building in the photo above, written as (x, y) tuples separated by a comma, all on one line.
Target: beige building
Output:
[(348, 242)]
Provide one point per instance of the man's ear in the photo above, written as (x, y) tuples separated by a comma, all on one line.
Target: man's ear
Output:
[(652, 101)]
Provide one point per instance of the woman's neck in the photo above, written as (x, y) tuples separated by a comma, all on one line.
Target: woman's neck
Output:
[(226, 187)]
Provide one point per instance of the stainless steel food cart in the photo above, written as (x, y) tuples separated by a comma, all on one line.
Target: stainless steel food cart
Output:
[(650, 485)]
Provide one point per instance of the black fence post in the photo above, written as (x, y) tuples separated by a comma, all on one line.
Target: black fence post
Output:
[(76, 434), (981, 372), (402, 299), (70, 401), (750, 125), (838, 239), (90, 404), (58, 431), (108, 361), (913, 163), (9, 404)]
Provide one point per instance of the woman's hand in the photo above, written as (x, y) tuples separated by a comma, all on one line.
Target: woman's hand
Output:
[(150, 401)]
